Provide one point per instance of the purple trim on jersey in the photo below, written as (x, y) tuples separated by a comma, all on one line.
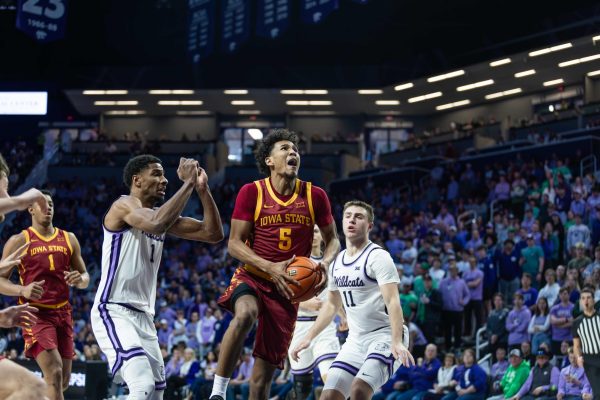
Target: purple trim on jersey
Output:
[(162, 385), (110, 327), (124, 356), (359, 256), (308, 369), (306, 319), (387, 361), (365, 265), (115, 253), (345, 366)]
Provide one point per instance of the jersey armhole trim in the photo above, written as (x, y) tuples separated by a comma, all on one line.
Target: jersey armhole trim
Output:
[(310, 202), (68, 240), (367, 261), (259, 200)]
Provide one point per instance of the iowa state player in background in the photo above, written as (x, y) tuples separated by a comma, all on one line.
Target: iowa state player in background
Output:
[(53, 263), (272, 223)]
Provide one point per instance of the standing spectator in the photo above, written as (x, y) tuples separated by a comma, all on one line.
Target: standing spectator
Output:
[(191, 330), (471, 381), (561, 319), (542, 380), (178, 334), (206, 331), (490, 277), (532, 260), (409, 255), (577, 204), (508, 270), (573, 383), (578, 233), (530, 294), (517, 323), (409, 302), (429, 311), (581, 260), (593, 266), (496, 324), (515, 376), (474, 308), (586, 331), (550, 246), (164, 333), (539, 326), (550, 291), (592, 202), (455, 295)]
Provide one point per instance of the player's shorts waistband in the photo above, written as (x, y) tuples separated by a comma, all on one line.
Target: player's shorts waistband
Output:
[(305, 319), (50, 306), (256, 272)]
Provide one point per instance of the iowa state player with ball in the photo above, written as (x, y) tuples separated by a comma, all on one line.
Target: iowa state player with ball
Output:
[(52, 263), (272, 223)]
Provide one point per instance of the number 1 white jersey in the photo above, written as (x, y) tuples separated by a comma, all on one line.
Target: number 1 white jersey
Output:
[(130, 261), (358, 279)]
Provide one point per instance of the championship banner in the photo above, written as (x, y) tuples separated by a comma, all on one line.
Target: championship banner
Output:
[(43, 20), (272, 17), (315, 11), (201, 28), (236, 23)]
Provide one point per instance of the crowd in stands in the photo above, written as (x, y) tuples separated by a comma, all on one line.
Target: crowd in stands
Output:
[(516, 273)]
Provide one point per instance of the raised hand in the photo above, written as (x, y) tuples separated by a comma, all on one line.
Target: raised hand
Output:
[(22, 316), (188, 170), (31, 196), (202, 181), (13, 259)]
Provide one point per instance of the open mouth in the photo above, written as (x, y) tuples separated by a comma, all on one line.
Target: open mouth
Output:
[(292, 162), (162, 192)]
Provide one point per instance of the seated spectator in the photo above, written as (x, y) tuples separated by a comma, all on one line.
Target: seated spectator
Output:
[(526, 353), (561, 319), (515, 376), (174, 365), (188, 372), (498, 370), (542, 380), (470, 382), (539, 325), (241, 383), (517, 323), (573, 383), (441, 386), (589, 270), (283, 383), (496, 324), (399, 381), (421, 376), (550, 291)]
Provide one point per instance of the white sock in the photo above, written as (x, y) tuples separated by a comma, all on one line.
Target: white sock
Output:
[(219, 386)]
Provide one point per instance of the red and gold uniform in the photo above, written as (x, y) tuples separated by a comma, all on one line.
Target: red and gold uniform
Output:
[(283, 227), (47, 259)]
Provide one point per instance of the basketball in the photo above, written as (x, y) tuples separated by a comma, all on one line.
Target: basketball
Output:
[(307, 272)]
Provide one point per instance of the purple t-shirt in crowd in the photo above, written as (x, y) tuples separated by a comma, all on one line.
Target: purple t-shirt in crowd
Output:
[(472, 275), (455, 294), (561, 311), (517, 323)]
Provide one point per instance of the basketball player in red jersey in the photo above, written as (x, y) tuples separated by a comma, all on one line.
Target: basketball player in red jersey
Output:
[(51, 265), (272, 223)]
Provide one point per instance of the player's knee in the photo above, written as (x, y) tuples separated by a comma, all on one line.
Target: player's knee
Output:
[(245, 316), (360, 390), (55, 375), (141, 390)]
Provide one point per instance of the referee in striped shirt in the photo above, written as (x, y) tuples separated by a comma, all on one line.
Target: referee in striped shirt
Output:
[(586, 340)]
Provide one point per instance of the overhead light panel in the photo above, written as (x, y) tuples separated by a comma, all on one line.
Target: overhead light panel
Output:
[(168, 91), (105, 92), (308, 102), (553, 82), (255, 133), (194, 112), (502, 94), (425, 97), (125, 112), (475, 85), (387, 102), (235, 91), (452, 105), (321, 113), (180, 102), (242, 102), (249, 112), (595, 39), (579, 60), (449, 75), (498, 63), (307, 91), (370, 91), (116, 103), (404, 86), (525, 73), (550, 49), (594, 73)]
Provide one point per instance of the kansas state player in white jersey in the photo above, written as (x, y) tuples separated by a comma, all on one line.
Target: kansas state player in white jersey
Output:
[(325, 347), (363, 278), (134, 233)]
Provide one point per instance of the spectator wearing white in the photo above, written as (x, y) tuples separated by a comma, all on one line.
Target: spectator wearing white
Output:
[(551, 289), (539, 325), (409, 255), (178, 334), (593, 266), (206, 331), (580, 261), (578, 233)]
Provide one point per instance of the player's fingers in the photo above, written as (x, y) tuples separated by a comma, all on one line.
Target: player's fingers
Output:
[(291, 260), (19, 253), (40, 283), (289, 280)]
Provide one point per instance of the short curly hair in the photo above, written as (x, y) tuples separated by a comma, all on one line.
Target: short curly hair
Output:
[(265, 145), (136, 165), (4, 166)]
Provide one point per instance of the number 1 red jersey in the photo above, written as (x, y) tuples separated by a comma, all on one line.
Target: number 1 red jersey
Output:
[(47, 259), (283, 225)]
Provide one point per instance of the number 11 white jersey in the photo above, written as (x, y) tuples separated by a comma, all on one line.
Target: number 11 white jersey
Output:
[(358, 279)]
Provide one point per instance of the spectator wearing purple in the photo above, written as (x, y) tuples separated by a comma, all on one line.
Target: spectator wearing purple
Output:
[(530, 294), (455, 295), (528, 221), (199, 306), (573, 384), (178, 334), (561, 319), (206, 331), (577, 204), (542, 380), (485, 263), (444, 219), (474, 242), (164, 333), (190, 331), (174, 364), (508, 270), (166, 312), (517, 323), (502, 189), (497, 370), (473, 277)]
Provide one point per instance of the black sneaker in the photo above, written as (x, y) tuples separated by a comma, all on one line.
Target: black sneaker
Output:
[(215, 397)]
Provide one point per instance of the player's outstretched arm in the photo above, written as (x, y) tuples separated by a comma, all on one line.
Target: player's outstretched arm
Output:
[(332, 248), (34, 290), (22, 315), (326, 315), (389, 291), (22, 201), (240, 232), (78, 276), (210, 230), (129, 210)]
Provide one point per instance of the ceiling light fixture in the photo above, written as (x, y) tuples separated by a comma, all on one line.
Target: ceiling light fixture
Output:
[(403, 86), (475, 85), (448, 75), (502, 94), (550, 49), (553, 82), (387, 102), (370, 91), (525, 73), (425, 97), (579, 60), (452, 105), (498, 63)]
